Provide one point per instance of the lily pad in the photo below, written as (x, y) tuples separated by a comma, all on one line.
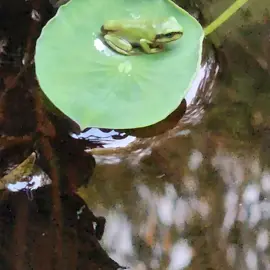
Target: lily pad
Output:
[(98, 87)]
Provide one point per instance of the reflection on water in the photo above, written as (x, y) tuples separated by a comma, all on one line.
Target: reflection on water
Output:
[(178, 206), (193, 197), (108, 138), (197, 196)]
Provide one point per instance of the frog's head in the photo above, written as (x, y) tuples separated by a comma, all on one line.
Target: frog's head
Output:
[(169, 30)]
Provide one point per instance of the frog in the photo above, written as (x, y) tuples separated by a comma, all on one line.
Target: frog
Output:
[(123, 36)]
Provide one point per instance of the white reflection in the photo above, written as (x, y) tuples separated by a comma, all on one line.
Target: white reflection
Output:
[(3, 45), (251, 194), (144, 192), (251, 260), (195, 84), (195, 160), (200, 206), (35, 15), (106, 138), (165, 210), (262, 240), (106, 159), (100, 46), (165, 205), (231, 200), (184, 132), (183, 213), (230, 168), (36, 182), (135, 157), (265, 181), (180, 256), (118, 233)]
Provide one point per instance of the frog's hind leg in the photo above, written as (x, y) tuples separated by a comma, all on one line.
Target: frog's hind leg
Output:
[(119, 45), (147, 46)]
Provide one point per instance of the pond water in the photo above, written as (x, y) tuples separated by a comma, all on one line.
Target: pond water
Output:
[(190, 193)]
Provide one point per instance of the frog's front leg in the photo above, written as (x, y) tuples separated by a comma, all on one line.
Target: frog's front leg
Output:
[(148, 47), (120, 45)]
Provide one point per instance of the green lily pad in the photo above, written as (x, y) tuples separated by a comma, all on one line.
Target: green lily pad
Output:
[(98, 87)]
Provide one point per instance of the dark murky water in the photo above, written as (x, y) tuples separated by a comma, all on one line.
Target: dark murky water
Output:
[(183, 194)]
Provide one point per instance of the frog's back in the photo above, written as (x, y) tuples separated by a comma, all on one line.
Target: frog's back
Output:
[(133, 30)]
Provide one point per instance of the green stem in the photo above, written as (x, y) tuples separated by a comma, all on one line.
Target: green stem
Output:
[(224, 16)]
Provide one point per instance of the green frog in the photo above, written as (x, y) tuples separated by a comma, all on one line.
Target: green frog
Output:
[(149, 35)]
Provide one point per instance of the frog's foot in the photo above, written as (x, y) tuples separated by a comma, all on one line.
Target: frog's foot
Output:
[(119, 45), (148, 47)]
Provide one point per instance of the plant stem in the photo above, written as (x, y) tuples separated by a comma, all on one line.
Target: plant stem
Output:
[(224, 16)]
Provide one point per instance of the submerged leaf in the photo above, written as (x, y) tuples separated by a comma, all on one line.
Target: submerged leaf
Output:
[(20, 172), (98, 87)]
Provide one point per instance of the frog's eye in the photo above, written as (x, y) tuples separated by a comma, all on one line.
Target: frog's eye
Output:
[(169, 35)]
